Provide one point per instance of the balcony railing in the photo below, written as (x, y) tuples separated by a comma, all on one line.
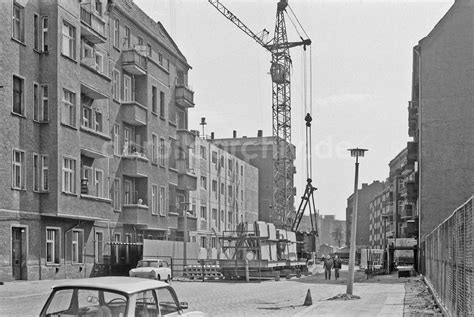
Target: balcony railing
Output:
[(135, 150), (93, 28), (133, 62)]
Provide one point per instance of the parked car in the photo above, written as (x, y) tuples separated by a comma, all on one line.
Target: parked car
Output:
[(114, 296), (157, 269)]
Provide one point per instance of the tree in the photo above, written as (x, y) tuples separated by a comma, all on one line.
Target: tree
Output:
[(337, 234)]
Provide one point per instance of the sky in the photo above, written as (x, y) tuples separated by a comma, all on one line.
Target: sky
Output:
[(359, 67)]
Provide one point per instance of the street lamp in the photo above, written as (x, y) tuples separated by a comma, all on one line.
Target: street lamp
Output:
[(185, 231), (350, 280)]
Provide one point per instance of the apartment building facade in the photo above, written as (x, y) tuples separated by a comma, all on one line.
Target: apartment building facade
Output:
[(366, 194), (258, 151), (226, 195), (441, 115), (96, 147), (381, 219)]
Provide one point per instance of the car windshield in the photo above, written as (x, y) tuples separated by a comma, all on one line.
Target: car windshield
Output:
[(144, 263), (86, 302)]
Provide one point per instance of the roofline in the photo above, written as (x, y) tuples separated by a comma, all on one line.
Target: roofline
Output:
[(425, 40), (398, 155), (179, 56)]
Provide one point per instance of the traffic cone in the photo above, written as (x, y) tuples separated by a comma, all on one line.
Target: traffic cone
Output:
[(308, 301)]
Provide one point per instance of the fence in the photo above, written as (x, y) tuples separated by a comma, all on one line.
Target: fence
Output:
[(449, 251)]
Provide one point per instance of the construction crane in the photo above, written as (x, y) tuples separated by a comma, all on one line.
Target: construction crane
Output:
[(280, 71)]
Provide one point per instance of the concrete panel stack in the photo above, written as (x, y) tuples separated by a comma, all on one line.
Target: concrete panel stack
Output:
[(272, 240), (262, 232)]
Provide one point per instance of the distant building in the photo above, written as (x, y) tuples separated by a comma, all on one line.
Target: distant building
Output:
[(441, 116), (366, 195), (381, 226), (332, 231), (226, 195), (258, 151)]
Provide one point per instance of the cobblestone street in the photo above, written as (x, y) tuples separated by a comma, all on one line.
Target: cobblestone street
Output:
[(225, 298)]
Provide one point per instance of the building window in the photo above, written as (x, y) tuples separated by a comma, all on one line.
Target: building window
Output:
[(77, 245), (98, 121), (162, 201), (86, 116), (18, 95), (214, 157), (116, 85), (181, 118), (140, 41), (69, 108), (203, 152), (98, 7), (116, 137), (40, 172), (127, 88), (36, 102), (204, 212), (116, 194), (99, 183), (43, 111), (214, 186), (149, 51), (222, 189), (154, 199), (116, 33), (99, 242), (69, 40), (126, 37), (36, 32), (160, 59), (69, 175), (214, 214), (117, 239), (203, 182), (154, 100), (154, 155), (52, 246), (162, 152), (18, 22), (44, 34), (18, 169), (229, 191), (99, 62), (162, 104)]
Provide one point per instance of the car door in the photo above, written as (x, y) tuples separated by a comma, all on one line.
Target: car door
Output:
[(167, 302)]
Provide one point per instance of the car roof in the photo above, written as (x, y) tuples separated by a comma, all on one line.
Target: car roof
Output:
[(122, 284), (152, 259)]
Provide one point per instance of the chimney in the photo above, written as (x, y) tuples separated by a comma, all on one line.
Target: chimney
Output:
[(234, 134), (212, 135), (364, 185), (259, 133)]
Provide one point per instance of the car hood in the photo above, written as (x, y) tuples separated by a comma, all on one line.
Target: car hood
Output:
[(144, 269)]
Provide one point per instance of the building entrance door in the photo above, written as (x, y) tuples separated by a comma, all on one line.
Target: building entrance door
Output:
[(18, 253)]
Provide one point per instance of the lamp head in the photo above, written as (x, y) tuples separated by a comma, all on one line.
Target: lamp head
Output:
[(357, 152)]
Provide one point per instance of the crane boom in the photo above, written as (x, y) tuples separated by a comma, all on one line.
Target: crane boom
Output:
[(232, 18), (283, 152)]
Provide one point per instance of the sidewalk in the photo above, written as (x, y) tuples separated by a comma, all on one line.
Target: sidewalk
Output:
[(380, 296)]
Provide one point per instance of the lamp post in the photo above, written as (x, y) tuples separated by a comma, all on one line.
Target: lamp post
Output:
[(352, 252), (185, 231)]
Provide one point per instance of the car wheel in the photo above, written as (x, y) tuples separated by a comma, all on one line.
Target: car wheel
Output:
[(158, 277), (168, 280)]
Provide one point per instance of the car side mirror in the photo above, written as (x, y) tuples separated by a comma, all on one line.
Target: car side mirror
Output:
[(183, 305)]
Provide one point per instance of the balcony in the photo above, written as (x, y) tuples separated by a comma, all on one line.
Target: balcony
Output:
[(134, 161), (134, 113), (412, 191), (135, 214), (190, 220), (412, 118), (187, 179), (134, 63), (184, 96), (92, 27), (406, 212)]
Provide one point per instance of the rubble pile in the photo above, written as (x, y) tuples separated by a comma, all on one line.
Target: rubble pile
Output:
[(419, 300)]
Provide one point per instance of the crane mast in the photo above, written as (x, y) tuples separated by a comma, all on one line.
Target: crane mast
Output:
[(283, 153)]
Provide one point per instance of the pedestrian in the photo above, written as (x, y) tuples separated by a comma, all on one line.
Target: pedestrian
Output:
[(328, 263), (337, 266)]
